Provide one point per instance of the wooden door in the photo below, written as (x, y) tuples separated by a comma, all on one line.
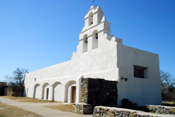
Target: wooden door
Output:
[(73, 97), (47, 93)]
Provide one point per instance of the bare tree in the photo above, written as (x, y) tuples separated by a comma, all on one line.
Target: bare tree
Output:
[(167, 86), (17, 78), (167, 81)]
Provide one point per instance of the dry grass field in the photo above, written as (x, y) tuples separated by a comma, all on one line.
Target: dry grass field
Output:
[(64, 107), (168, 103), (11, 111), (27, 99)]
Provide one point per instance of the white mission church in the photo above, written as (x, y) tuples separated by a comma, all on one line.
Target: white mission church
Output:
[(99, 55)]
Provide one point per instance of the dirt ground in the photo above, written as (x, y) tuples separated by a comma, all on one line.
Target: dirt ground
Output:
[(67, 108), (12, 111), (27, 99)]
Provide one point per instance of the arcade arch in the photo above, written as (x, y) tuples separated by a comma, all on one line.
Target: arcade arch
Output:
[(70, 91)]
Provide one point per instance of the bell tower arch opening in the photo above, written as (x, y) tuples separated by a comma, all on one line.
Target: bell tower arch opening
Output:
[(95, 40), (85, 43), (90, 18)]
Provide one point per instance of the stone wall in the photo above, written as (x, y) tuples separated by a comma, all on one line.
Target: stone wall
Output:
[(82, 108), (98, 92), (161, 109), (100, 111), (3, 84), (84, 90), (15, 91)]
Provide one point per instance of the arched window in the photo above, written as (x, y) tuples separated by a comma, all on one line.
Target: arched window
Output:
[(95, 40), (90, 19), (85, 44)]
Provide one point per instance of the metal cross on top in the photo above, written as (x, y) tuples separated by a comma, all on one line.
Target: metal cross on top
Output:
[(93, 2)]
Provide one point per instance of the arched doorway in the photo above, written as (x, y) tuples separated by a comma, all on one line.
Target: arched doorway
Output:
[(70, 91), (45, 91)]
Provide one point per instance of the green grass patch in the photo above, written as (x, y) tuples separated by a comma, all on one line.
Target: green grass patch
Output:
[(151, 111)]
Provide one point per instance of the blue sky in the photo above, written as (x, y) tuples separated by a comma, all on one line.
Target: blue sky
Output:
[(39, 33)]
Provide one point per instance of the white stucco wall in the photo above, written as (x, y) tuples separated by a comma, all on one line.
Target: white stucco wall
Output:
[(138, 90), (57, 93)]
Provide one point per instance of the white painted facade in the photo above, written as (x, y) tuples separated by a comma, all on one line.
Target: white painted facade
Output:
[(98, 55)]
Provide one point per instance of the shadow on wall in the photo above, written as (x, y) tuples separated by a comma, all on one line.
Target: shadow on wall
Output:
[(99, 92), (2, 90), (3, 86)]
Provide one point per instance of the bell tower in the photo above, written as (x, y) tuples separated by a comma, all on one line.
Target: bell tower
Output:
[(95, 26), (94, 17)]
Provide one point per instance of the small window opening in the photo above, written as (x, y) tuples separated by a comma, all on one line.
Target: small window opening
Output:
[(35, 79), (139, 72)]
